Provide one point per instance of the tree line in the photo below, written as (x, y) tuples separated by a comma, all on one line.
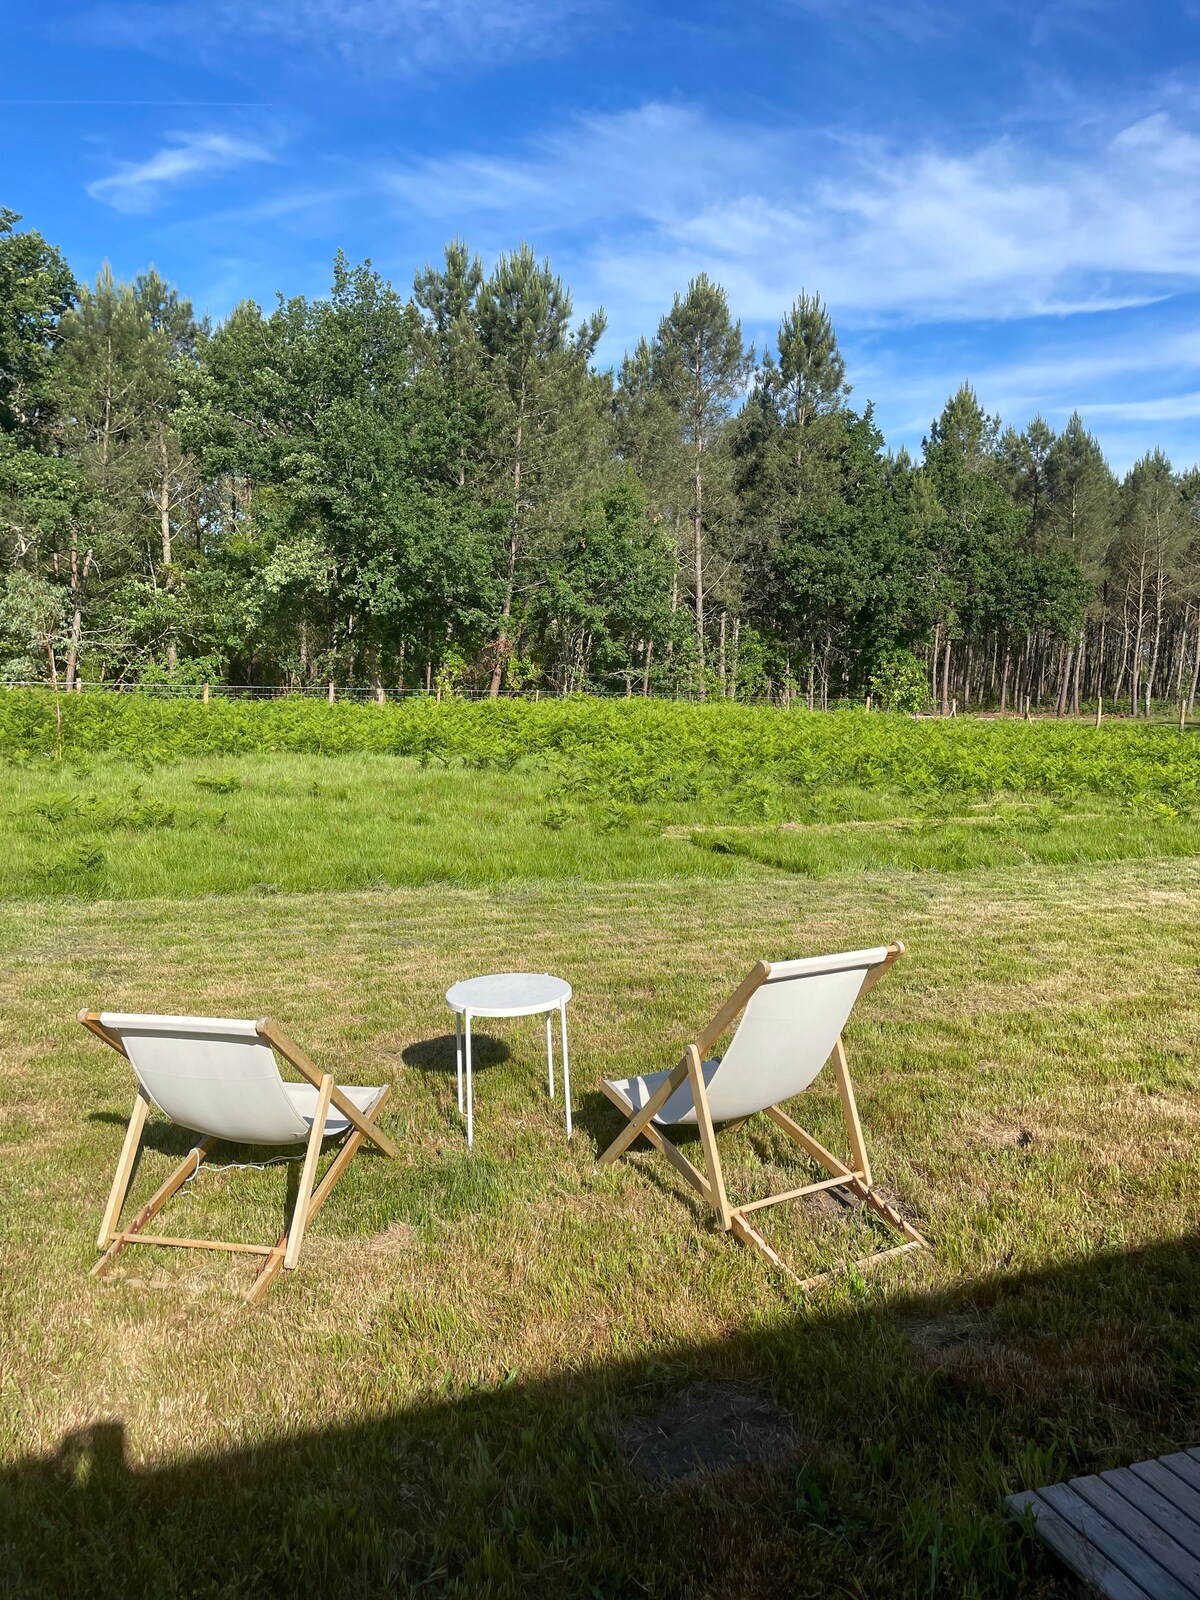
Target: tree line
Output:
[(445, 491)]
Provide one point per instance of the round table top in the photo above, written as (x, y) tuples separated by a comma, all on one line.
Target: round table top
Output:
[(508, 994)]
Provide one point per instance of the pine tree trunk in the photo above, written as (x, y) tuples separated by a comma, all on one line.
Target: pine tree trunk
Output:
[(79, 573), (935, 656), (698, 553), (164, 528), (1064, 687), (511, 578)]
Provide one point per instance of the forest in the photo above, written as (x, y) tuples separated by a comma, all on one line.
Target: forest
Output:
[(444, 491)]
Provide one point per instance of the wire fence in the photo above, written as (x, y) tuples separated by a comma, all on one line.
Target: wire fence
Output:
[(1166, 709), (324, 691), (385, 694)]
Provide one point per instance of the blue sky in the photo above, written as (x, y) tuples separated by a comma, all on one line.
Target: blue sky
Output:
[(1004, 191)]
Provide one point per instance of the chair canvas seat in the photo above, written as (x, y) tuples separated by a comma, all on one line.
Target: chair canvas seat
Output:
[(679, 1111), (304, 1098), (789, 1018), (219, 1077)]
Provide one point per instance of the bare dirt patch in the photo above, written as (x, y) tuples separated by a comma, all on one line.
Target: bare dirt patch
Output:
[(708, 1427)]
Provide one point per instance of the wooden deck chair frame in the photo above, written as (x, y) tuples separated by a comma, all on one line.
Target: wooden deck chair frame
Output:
[(710, 1183), (310, 1197)]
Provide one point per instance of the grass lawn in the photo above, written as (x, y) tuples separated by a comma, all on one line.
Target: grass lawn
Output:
[(445, 1397)]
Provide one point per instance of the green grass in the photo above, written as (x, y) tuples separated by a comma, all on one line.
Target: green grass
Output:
[(433, 1403), (287, 823), (293, 823)]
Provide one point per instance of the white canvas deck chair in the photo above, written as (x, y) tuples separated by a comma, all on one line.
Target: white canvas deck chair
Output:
[(792, 1016), (219, 1078)]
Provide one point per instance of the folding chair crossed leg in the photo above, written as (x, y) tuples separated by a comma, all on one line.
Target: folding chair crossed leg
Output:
[(710, 1183), (311, 1195)]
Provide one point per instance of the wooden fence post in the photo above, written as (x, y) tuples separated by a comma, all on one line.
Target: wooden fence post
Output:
[(332, 692), (204, 694)]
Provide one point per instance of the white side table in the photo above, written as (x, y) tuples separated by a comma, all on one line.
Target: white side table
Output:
[(510, 994)]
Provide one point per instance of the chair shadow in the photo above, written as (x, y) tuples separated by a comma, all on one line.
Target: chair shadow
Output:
[(440, 1054), (596, 1116), (166, 1138)]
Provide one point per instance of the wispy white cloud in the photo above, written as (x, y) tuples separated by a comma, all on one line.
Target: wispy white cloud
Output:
[(917, 20), (1165, 408), (885, 231), (374, 36), (921, 22), (140, 185), (931, 258)]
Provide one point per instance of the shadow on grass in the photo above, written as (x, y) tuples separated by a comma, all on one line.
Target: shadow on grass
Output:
[(439, 1054), (908, 1418), (166, 1138)]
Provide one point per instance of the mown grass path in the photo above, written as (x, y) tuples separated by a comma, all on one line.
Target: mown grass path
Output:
[(428, 1404)]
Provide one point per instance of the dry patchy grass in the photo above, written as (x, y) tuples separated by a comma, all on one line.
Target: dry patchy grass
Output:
[(434, 1401)]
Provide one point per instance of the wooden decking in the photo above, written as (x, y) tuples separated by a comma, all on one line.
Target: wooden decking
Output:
[(1134, 1533)]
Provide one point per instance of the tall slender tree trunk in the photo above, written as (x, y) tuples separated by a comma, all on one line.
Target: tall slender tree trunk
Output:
[(511, 577), (1064, 686), (946, 677), (935, 661), (164, 528), (698, 549), (674, 607), (78, 578), (1159, 595), (1139, 635)]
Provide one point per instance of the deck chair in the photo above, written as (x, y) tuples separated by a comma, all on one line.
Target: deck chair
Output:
[(792, 1016), (220, 1079)]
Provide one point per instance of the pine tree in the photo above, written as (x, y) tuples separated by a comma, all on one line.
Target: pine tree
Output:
[(544, 410), (811, 371), (700, 363)]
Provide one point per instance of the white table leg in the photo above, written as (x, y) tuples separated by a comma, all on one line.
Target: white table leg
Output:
[(550, 1050), (470, 1096), (458, 1056), (562, 1012)]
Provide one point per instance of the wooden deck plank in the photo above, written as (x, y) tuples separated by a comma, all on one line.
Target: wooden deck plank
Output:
[(1184, 1527), (1118, 1547), (1182, 1465), (1075, 1551), (1170, 1486), (1146, 1533)]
